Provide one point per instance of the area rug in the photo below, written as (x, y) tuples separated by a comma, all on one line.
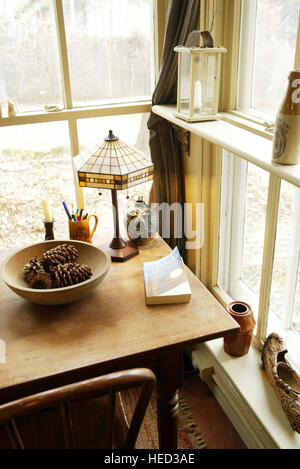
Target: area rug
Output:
[(188, 435)]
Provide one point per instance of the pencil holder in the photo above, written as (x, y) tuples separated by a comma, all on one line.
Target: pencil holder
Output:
[(49, 234), (80, 230)]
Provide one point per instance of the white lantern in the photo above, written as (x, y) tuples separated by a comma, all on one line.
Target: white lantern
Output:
[(199, 71)]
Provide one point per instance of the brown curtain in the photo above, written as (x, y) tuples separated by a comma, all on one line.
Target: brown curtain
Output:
[(166, 153)]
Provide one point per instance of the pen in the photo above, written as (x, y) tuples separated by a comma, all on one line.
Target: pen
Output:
[(66, 209), (81, 212)]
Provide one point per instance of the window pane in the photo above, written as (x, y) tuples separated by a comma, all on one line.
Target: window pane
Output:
[(274, 54), (131, 129), (254, 228), (285, 295), (29, 71), (283, 254), (35, 164), (284, 317), (110, 46), (242, 229)]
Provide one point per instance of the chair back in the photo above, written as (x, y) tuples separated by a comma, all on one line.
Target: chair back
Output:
[(64, 398)]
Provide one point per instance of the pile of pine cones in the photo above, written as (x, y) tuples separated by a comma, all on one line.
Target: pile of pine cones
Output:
[(57, 268)]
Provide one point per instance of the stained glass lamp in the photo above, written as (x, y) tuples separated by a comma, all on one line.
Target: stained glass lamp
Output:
[(116, 166)]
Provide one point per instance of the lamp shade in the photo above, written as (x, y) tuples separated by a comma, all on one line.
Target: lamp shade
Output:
[(113, 165)]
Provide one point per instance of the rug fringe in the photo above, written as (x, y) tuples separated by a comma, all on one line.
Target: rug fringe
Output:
[(189, 423)]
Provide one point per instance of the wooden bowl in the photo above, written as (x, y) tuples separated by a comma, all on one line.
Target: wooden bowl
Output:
[(12, 272)]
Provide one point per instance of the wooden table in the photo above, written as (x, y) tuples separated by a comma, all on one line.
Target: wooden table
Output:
[(112, 329)]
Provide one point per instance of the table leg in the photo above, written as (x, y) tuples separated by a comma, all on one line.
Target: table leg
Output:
[(168, 382)]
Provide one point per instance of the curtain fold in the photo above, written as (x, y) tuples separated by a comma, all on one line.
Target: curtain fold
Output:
[(166, 153)]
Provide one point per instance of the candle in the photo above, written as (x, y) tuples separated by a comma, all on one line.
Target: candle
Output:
[(46, 211), (198, 96)]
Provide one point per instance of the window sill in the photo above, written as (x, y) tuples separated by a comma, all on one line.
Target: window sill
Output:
[(243, 390), (252, 147)]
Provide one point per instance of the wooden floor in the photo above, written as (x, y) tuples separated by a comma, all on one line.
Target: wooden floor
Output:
[(211, 421)]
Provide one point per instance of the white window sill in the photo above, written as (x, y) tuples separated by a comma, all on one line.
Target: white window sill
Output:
[(243, 389), (248, 145)]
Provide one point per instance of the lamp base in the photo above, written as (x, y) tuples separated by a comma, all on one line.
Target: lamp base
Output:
[(123, 254)]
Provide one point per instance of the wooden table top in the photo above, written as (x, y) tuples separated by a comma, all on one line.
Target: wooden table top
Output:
[(113, 323)]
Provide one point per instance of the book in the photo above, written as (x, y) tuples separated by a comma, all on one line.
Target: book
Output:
[(166, 280)]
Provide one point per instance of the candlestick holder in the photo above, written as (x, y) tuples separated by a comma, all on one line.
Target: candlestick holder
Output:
[(49, 234)]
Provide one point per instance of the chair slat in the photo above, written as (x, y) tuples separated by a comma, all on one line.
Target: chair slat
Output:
[(67, 424), (13, 434)]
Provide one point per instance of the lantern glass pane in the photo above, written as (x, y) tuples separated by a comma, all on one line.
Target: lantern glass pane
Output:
[(205, 84), (185, 89)]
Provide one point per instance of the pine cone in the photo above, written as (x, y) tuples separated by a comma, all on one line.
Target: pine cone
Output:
[(41, 281), (65, 275), (36, 276), (31, 269), (62, 254)]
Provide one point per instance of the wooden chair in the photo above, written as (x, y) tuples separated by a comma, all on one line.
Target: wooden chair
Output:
[(88, 414)]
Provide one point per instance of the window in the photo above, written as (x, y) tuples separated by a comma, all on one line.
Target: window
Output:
[(243, 242), (110, 49), (29, 71), (267, 54), (36, 165), (105, 51)]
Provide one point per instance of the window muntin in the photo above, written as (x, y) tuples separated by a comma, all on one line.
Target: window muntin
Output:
[(29, 71), (110, 49)]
